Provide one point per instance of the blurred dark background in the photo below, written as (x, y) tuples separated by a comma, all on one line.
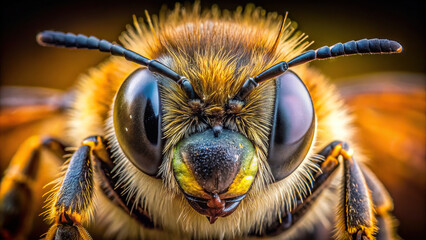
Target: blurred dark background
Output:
[(23, 62)]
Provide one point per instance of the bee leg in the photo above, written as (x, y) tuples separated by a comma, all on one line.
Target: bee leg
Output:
[(72, 202), (17, 189), (356, 218), (383, 206)]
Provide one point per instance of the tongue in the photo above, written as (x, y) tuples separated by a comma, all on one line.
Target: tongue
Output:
[(215, 207)]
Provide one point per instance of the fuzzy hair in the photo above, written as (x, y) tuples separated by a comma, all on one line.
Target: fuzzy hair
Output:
[(217, 51), (82, 203)]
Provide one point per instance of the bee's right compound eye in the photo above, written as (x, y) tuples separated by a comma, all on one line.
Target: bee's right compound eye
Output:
[(137, 121), (293, 125)]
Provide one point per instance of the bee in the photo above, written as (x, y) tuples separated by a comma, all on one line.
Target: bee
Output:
[(202, 126)]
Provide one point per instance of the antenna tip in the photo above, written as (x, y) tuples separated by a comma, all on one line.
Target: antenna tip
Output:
[(396, 46), (45, 38)]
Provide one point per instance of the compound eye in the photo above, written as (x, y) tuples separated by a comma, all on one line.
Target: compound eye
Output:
[(137, 121), (293, 125)]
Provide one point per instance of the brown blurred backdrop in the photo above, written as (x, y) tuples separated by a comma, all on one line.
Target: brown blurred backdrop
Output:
[(23, 62)]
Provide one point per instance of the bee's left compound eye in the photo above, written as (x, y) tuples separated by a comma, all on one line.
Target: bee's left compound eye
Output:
[(137, 121), (293, 125)]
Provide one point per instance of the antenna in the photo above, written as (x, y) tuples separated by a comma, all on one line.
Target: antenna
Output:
[(361, 47), (70, 40)]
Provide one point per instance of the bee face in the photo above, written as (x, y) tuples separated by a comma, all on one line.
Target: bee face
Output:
[(209, 166), (214, 144)]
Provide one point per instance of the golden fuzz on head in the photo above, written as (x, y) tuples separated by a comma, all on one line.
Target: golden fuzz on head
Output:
[(217, 51)]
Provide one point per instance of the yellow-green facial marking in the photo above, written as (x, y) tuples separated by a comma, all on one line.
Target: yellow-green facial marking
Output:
[(244, 179), (185, 177)]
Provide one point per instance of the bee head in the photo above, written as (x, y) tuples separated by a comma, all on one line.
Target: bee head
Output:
[(214, 163), (213, 166)]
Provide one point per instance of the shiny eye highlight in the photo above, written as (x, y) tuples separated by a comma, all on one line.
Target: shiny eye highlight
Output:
[(137, 121), (293, 125)]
